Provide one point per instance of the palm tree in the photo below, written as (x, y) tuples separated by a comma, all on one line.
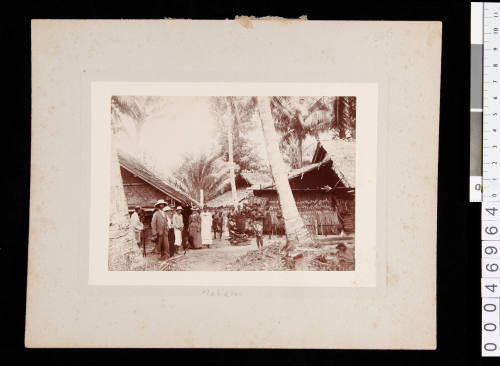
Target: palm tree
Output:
[(199, 173), (344, 118), (234, 113), (123, 254), (298, 117), (296, 232), (232, 178), (131, 106), (138, 108), (221, 107)]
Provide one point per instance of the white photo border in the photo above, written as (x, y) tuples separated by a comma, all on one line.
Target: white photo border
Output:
[(365, 271)]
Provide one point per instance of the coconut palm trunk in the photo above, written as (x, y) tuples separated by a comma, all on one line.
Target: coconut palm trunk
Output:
[(299, 151), (123, 254), (232, 178), (296, 231)]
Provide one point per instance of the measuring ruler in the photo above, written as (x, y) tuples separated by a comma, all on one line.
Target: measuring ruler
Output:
[(490, 198)]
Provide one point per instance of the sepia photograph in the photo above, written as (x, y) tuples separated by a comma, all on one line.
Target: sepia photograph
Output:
[(214, 171), (232, 183)]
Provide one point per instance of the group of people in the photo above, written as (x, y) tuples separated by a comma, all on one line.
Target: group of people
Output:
[(172, 231), (204, 227), (168, 231), (253, 220), (270, 218), (219, 223), (167, 226)]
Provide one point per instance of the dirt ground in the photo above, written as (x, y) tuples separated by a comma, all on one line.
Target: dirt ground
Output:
[(214, 258), (221, 256)]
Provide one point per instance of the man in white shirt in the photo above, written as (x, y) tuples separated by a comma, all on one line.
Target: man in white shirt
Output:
[(137, 225)]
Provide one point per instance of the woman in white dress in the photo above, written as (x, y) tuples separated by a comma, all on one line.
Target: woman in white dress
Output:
[(206, 227)]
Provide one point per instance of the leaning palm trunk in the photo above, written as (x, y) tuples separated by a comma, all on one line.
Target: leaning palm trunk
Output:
[(123, 255), (231, 158), (296, 232)]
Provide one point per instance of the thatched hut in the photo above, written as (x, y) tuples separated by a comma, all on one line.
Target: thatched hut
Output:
[(143, 187), (323, 190), (246, 182)]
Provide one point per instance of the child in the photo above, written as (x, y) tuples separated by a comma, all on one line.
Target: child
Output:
[(258, 227)]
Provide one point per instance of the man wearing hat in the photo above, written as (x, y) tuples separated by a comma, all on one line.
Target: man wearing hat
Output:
[(136, 224), (178, 223), (159, 228)]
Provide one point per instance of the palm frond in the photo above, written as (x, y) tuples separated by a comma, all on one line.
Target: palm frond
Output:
[(201, 172)]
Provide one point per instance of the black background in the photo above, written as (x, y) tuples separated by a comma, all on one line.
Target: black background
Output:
[(458, 302)]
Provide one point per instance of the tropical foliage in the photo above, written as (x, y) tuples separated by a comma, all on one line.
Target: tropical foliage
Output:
[(138, 108), (201, 172), (298, 117), (236, 113), (296, 231)]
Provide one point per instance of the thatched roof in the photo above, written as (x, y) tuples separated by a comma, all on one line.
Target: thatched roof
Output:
[(245, 182), (256, 179), (132, 165), (337, 155), (343, 156), (305, 169), (226, 199)]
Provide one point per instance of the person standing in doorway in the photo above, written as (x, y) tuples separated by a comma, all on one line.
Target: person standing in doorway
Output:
[(159, 229), (137, 225), (178, 223)]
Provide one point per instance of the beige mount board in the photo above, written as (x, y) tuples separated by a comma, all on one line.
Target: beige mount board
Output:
[(397, 311)]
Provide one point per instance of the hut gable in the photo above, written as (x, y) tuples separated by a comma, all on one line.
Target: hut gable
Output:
[(342, 154), (246, 181), (333, 166), (315, 176), (143, 187)]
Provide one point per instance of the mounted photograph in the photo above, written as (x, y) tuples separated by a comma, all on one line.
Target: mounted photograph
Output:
[(232, 183), (214, 171)]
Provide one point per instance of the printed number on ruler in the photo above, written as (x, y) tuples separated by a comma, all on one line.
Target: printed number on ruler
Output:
[(491, 249), (490, 211), (490, 331), (490, 287), (490, 267), (490, 233), (490, 230)]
